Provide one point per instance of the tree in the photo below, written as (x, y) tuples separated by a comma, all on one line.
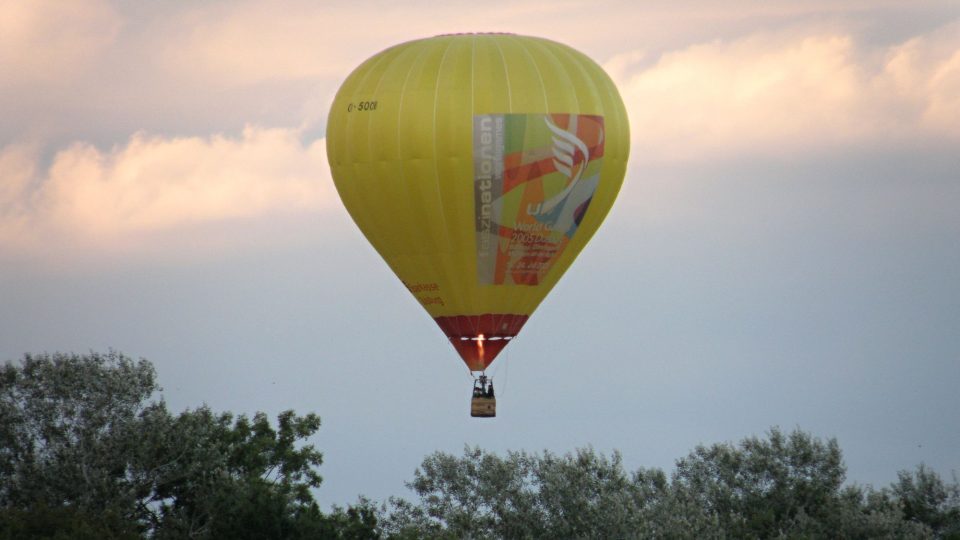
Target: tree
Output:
[(211, 475), (481, 495), (925, 498), (63, 419), (780, 486), (762, 487), (84, 454)]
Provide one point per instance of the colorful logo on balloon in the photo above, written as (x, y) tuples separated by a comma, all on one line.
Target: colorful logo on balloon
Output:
[(534, 178)]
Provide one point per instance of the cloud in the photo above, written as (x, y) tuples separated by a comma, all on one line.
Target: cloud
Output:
[(48, 40), (251, 42), (96, 72), (790, 92), (151, 184), (925, 72)]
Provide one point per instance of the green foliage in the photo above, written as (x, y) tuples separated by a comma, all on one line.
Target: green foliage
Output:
[(83, 454), (65, 523), (926, 498), (213, 475), (356, 522), (786, 485), (482, 495), (764, 486)]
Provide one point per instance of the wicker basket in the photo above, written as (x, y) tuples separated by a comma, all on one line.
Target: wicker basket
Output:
[(483, 407)]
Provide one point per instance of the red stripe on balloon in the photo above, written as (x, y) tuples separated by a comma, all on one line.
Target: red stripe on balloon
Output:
[(464, 332)]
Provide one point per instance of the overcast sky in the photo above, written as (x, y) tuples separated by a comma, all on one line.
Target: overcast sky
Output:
[(785, 250)]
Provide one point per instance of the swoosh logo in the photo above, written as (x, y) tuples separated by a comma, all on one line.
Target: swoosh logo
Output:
[(565, 147)]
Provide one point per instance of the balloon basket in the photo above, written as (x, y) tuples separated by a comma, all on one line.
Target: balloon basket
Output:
[(483, 407)]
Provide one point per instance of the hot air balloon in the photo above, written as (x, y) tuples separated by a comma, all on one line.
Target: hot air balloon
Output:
[(478, 166)]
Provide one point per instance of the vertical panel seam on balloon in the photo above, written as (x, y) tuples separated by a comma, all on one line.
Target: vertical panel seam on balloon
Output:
[(400, 159), (536, 68), (436, 175), (370, 119), (473, 113), (576, 247), (371, 228), (546, 110), (506, 77), (417, 62), (529, 300), (578, 59), (521, 42), (591, 84), (473, 107)]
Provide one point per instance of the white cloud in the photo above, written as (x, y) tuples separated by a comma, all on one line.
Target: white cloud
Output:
[(204, 68), (152, 184), (251, 41), (49, 40), (248, 42), (924, 72), (790, 92), (98, 70)]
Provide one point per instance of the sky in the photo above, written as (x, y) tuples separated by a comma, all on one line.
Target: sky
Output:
[(785, 250)]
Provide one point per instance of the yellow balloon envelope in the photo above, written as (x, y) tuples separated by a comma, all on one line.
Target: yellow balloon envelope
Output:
[(478, 166)]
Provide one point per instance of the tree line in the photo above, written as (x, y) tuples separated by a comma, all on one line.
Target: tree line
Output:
[(85, 453)]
